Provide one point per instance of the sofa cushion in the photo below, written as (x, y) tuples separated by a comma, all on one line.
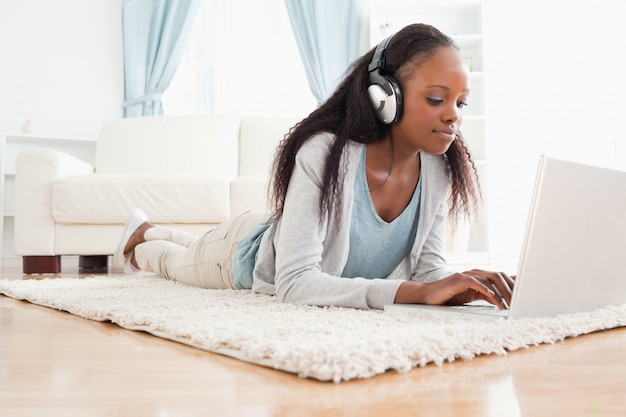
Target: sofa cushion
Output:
[(166, 198), (198, 144), (258, 139), (249, 193)]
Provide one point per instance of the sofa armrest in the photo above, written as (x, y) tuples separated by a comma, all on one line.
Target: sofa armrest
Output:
[(248, 193), (35, 170)]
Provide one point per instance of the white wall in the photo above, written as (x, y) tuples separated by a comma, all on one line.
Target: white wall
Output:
[(555, 84), (63, 61)]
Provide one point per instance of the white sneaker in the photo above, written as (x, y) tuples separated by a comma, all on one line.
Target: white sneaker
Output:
[(120, 261)]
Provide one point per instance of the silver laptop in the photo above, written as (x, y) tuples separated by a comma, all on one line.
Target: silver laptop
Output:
[(574, 253)]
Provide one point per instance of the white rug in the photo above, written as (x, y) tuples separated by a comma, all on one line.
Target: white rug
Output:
[(329, 344)]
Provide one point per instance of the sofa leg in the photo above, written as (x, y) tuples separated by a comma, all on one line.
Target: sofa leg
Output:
[(41, 264), (93, 261)]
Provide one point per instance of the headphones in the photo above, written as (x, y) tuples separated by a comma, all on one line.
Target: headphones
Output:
[(383, 90)]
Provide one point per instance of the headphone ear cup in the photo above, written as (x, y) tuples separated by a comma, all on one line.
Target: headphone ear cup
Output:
[(378, 98), (386, 100), (383, 90)]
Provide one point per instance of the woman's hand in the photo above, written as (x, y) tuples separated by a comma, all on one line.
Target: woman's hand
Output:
[(460, 288)]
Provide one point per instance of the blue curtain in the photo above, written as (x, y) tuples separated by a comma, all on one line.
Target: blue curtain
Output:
[(155, 34), (328, 34)]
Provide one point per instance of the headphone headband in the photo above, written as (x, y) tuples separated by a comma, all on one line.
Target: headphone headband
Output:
[(378, 60)]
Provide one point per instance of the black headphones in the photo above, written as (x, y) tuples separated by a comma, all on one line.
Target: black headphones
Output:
[(383, 90)]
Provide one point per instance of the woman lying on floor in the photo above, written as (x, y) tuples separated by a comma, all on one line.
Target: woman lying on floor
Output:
[(361, 189)]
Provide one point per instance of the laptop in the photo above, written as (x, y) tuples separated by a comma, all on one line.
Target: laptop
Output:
[(574, 252)]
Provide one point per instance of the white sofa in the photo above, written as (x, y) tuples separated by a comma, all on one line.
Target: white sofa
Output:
[(188, 172)]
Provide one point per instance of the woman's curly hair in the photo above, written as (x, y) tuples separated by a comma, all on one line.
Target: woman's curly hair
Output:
[(348, 115)]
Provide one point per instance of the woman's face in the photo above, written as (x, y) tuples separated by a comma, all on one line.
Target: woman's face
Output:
[(433, 100)]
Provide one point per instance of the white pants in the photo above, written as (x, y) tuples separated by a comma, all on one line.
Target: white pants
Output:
[(205, 261)]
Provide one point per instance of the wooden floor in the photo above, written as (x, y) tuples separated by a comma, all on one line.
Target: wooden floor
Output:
[(56, 364)]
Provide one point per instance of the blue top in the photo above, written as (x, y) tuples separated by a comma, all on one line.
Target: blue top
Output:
[(245, 256), (377, 247)]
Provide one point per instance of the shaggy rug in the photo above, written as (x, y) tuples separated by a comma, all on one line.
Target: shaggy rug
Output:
[(328, 344)]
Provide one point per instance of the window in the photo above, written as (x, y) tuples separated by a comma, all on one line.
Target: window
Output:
[(242, 59)]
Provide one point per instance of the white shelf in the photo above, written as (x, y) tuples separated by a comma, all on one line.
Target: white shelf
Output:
[(12, 144), (29, 137), (462, 20), (467, 258)]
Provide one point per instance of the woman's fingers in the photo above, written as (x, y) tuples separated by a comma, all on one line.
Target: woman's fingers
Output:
[(501, 282), (462, 288), (489, 293)]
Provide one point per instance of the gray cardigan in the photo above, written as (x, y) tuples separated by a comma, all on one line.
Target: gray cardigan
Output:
[(299, 259)]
